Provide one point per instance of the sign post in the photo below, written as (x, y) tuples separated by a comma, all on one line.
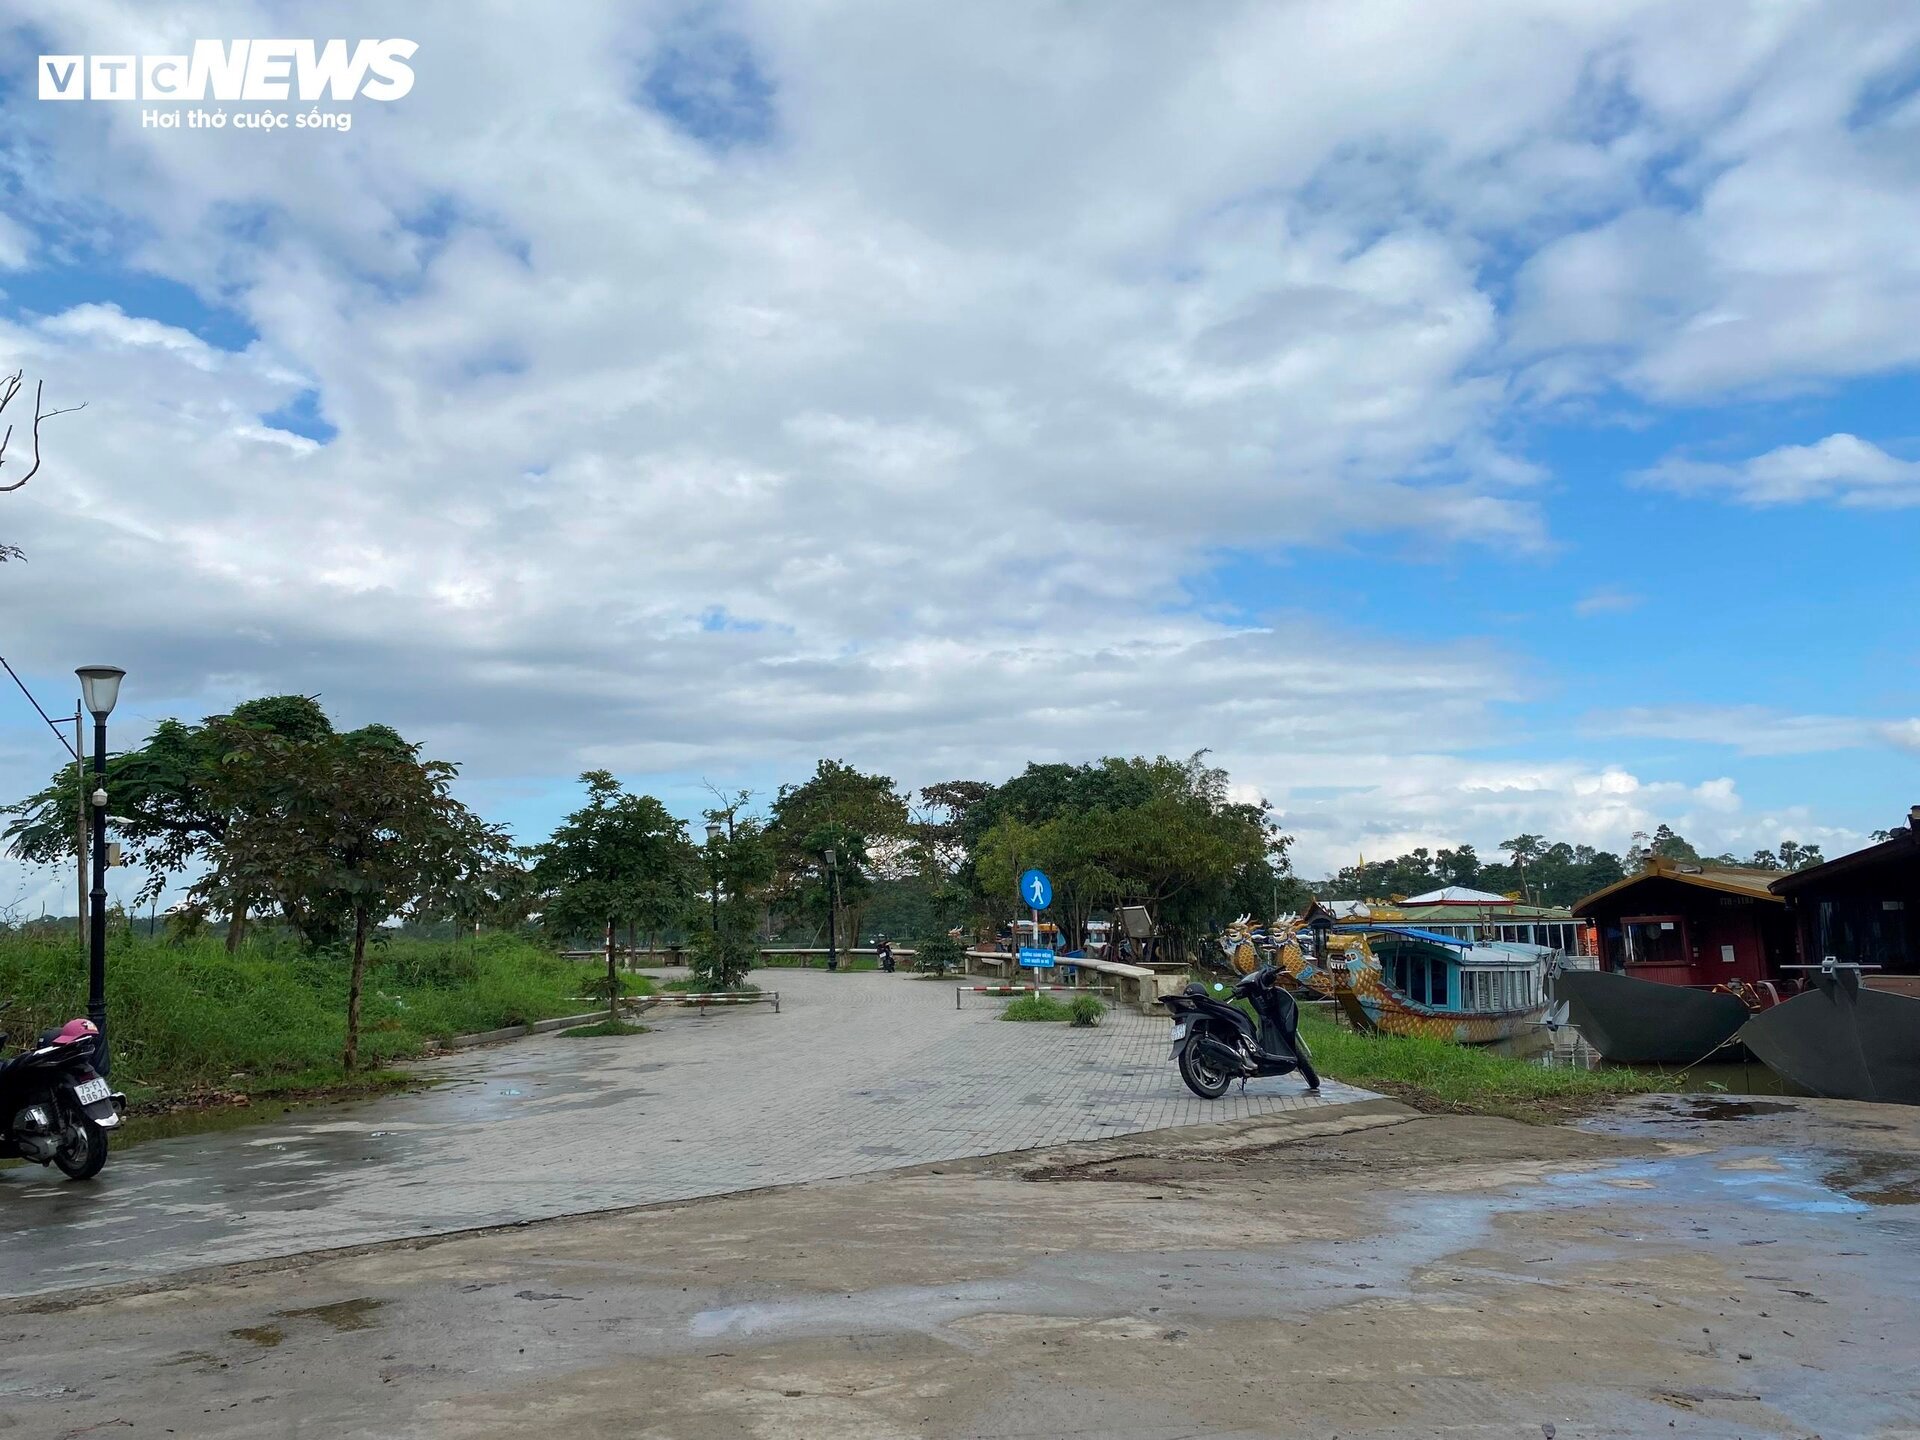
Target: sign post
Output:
[(1036, 890)]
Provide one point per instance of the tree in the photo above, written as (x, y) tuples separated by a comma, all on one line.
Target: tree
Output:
[(171, 805), (347, 830), (1663, 844), (1795, 856), (620, 859), (862, 817), (1551, 874), (10, 386), (1524, 849), (740, 865), (1159, 832), (938, 825)]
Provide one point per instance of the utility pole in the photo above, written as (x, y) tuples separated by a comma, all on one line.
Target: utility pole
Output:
[(80, 824), (833, 907)]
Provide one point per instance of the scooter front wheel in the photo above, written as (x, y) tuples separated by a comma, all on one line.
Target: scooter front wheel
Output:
[(85, 1151), (1204, 1078)]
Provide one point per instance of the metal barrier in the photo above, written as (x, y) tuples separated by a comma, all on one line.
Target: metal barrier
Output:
[(1012, 990), (702, 1000)]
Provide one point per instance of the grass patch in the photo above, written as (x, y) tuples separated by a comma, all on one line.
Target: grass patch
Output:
[(1436, 1076), (194, 1026), (1085, 1010), (605, 1027), (1036, 1007), (815, 962)]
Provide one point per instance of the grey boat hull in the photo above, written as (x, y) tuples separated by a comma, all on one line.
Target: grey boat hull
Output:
[(1641, 1022), (1843, 1041)]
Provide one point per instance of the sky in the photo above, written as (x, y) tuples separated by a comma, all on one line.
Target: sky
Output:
[(1459, 419)]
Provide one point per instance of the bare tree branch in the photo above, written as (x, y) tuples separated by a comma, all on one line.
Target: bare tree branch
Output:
[(9, 388)]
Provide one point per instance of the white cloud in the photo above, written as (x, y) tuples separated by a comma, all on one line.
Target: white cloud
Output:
[(1390, 806), (1842, 468), (1749, 729), (16, 244), (937, 399), (1607, 601), (1903, 734)]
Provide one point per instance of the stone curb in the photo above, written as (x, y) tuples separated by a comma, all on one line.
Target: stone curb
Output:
[(517, 1032)]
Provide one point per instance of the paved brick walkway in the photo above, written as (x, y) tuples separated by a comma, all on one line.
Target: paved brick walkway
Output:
[(860, 1072)]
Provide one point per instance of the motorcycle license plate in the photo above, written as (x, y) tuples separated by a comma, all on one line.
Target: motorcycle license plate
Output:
[(92, 1092), (1180, 1031)]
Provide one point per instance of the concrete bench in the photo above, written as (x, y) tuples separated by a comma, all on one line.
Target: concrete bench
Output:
[(1135, 983)]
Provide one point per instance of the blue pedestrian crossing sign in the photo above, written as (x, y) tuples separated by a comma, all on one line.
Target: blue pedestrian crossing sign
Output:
[(1036, 890)]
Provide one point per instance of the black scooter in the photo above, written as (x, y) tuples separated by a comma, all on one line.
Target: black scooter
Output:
[(1216, 1043), (54, 1108)]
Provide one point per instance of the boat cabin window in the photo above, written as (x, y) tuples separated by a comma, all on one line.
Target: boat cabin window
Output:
[(1655, 939), (1865, 931), (1420, 978)]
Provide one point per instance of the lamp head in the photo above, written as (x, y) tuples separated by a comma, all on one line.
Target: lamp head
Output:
[(100, 688), (832, 858), (715, 832)]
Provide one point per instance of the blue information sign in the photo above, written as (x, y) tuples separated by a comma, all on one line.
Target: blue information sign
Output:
[(1036, 957), (1036, 890)]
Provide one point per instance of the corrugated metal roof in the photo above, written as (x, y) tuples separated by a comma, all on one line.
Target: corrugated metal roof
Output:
[(1728, 879), (1455, 895)]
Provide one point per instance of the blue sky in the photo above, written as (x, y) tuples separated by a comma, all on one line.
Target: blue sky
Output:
[(1485, 418)]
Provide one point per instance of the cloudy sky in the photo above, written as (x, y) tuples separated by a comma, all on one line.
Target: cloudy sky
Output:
[(1461, 418)]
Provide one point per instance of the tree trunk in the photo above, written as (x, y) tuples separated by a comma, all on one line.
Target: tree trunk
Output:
[(613, 977), (236, 928), (352, 1057)]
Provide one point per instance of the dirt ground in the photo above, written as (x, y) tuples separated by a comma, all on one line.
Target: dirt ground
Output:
[(1680, 1267)]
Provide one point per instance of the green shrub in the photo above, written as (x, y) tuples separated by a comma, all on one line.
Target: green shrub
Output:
[(1086, 1010), (939, 954), (595, 985), (722, 962), (1035, 1007)]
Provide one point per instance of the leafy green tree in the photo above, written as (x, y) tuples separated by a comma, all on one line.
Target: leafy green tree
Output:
[(862, 817), (1791, 855), (346, 830), (1555, 874), (1524, 850), (739, 865), (1663, 844), (1159, 832), (620, 859), (171, 806)]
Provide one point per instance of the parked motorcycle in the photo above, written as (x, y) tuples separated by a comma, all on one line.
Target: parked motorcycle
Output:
[(54, 1107), (1216, 1042)]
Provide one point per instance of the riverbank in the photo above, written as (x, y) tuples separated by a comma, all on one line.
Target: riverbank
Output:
[(1436, 1077), (194, 1028)]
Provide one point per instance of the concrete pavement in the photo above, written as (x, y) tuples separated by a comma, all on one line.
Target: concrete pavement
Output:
[(1712, 1269), (859, 1073)]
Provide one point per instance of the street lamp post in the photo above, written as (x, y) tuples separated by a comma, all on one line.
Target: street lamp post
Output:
[(714, 833), (833, 910), (99, 688)]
